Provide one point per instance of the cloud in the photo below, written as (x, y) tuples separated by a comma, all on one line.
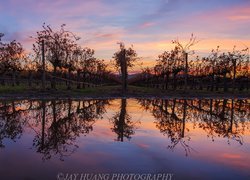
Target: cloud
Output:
[(148, 25), (239, 18)]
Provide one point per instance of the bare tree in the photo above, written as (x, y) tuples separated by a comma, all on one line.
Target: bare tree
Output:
[(11, 56), (185, 49), (57, 46), (124, 59), (169, 62), (85, 62), (236, 59), (30, 65)]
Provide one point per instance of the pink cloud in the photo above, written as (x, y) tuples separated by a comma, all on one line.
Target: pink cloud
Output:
[(238, 14), (229, 18), (239, 17), (147, 25)]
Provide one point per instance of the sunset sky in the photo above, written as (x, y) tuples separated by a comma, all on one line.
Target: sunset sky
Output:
[(149, 25)]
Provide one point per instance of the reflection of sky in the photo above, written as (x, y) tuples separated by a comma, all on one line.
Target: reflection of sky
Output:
[(145, 152), (149, 25)]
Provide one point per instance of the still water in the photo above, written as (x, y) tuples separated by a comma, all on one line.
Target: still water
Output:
[(189, 138)]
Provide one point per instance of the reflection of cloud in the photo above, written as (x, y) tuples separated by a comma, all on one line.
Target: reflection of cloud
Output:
[(231, 156), (144, 146)]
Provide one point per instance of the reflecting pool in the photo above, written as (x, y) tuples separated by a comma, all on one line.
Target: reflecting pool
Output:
[(189, 138)]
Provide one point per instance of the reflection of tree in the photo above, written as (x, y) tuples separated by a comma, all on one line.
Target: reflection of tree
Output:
[(218, 118), (171, 120), (222, 121), (76, 119), (59, 136), (123, 125), (91, 109), (57, 124), (10, 122)]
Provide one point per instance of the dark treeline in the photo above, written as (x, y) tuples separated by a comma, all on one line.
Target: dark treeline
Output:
[(56, 124), (219, 71), (57, 58)]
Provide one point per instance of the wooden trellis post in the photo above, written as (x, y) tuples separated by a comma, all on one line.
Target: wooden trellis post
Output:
[(124, 70), (186, 69), (43, 66)]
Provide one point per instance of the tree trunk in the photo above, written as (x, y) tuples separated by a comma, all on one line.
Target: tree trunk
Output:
[(217, 83), (53, 82), (225, 82), (78, 80), (167, 79), (18, 79), (13, 77), (186, 70), (200, 83), (234, 74), (174, 85), (3, 80), (43, 66), (84, 79), (212, 82), (124, 70), (30, 78), (69, 81)]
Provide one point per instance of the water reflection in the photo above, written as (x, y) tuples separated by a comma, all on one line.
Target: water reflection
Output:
[(11, 127), (58, 123), (171, 118), (227, 118), (123, 125)]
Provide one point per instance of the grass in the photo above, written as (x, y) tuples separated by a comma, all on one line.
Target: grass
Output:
[(13, 89), (108, 91)]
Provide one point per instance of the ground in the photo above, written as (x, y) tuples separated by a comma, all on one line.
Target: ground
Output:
[(23, 92)]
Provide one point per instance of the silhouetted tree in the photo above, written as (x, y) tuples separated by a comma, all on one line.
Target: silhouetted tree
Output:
[(170, 62), (58, 45), (30, 65), (124, 59), (185, 50), (11, 55), (71, 52), (236, 59)]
